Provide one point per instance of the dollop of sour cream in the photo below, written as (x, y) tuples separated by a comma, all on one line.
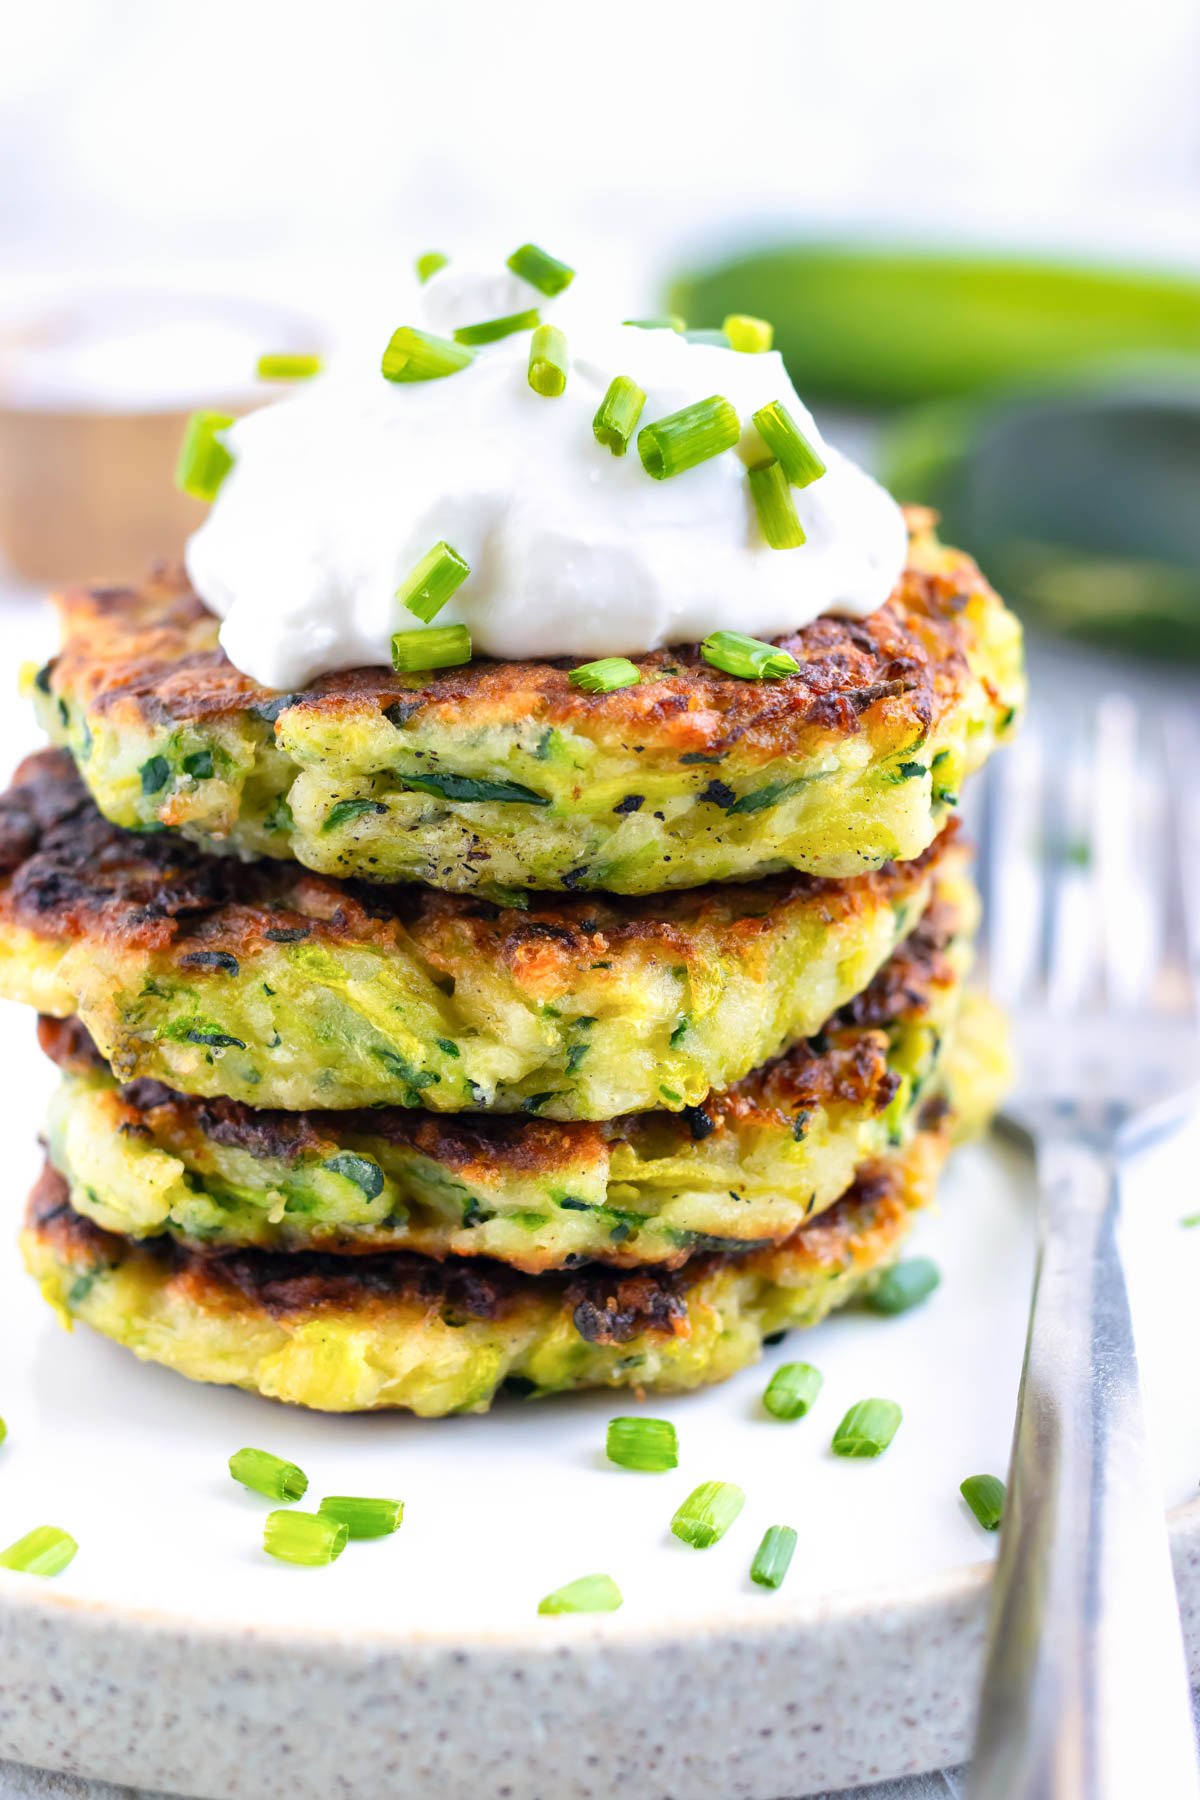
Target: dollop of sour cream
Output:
[(339, 490)]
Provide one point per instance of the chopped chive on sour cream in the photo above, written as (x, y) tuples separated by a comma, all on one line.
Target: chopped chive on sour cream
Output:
[(788, 444), (441, 647), (748, 334), (541, 270), (618, 413), (548, 363), (498, 418), (439, 574), (777, 515), (490, 331), (688, 437), (413, 355), (668, 322)]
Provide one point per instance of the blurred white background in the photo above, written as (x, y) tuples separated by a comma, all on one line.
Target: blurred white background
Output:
[(324, 143)]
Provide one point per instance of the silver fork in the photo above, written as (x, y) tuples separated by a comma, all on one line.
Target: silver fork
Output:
[(1090, 937)]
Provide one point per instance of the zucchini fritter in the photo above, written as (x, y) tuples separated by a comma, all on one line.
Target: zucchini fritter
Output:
[(264, 983), (745, 1169), (502, 775), (350, 1334), (346, 1334)]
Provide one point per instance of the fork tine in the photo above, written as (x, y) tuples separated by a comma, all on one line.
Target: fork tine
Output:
[(1069, 938), (1009, 871), (1181, 942), (1129, 793)]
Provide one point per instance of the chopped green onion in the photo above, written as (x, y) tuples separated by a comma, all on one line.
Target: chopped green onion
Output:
[(707, 1513), (541, 270), (363, 1518), (429, 263), (784, 439), (548, 362), (648, 1444), (606, 675), (747, 333), (310, 1539), (3, 1431), (618, 413), (285, 367), (792, 1390), (414, 355), (203, 462), (985, 1495), (591, 1593), (1190, 1221), (441, 647), (748, 657), (867, 1429), (777, 516), (44, 1551), (269, 1475), (672, 322), (708, 336), (487, 331), (773, 1557), (688, 437), (439, 574), (904, 1286)]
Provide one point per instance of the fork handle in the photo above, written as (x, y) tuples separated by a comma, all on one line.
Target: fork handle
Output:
[(1085, 1695)]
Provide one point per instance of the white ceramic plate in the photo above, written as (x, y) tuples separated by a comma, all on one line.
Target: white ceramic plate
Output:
[(175, 1654)]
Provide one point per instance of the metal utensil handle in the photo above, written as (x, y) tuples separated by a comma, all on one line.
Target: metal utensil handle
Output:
[(1085, 1696)]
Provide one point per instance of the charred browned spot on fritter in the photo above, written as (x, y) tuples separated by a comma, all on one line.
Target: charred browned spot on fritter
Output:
[(611, 1309), (152, 654), (74, 1239), (66, 872), (68, 1044), (919, 963), (296, 1284)]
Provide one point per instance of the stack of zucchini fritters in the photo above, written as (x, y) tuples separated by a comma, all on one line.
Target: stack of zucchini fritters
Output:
[(423, 1035)]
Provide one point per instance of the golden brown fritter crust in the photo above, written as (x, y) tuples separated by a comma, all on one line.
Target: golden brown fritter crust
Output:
[(150, 655), (847, 1064), (67, 873), (607, 1306), (501, 776)]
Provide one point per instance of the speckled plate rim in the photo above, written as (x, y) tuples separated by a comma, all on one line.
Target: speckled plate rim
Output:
[(793, 1703)]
